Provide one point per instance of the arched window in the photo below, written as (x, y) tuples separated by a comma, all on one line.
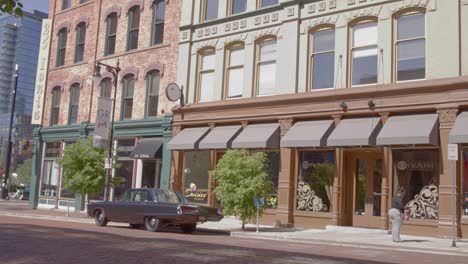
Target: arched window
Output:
[(159, 15), (209, 10), (322, 58), (266, 3), (133, 27), (206, 75), (152, 97), (55, 106), (234, 70), (111, 34), (127, 97), (265, 74), (410, 46), (106, 88), (61, 46), (80, 42), (237, 6), (364, 53), (74, 103)]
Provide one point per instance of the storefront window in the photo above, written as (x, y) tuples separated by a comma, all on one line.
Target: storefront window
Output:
[(50, 170), (315, 181), (124, 166), (465, 182), (273, 176), (418, 172), (64, 193), (195, 184)]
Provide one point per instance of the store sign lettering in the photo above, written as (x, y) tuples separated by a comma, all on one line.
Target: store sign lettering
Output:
[(415, 165), (41, 75), (198, 196)]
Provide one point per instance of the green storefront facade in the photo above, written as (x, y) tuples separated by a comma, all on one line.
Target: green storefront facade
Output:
[(46, 188)]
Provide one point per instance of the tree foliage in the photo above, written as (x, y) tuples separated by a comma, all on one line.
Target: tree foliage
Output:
[(24, 173), (241, 177), (83, 168), (11, 7)]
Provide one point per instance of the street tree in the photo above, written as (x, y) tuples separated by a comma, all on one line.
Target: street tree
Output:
[(11, 7), (241, 176), (24, 173), (83, 168)]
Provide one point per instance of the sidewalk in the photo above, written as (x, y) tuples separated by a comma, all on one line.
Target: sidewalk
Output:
[(332, 235)]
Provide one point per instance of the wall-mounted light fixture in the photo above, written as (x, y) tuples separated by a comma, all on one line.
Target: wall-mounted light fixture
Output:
[(344, 105)]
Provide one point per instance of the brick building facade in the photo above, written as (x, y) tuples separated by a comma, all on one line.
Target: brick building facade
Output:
[(142, 35)]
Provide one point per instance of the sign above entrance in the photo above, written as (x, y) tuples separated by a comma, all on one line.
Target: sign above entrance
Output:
[(452, 151)]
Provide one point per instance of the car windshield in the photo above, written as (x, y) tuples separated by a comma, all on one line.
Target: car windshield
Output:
[(167, 196)]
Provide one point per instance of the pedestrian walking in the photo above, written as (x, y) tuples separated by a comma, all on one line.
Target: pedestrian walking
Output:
[(396, 214)]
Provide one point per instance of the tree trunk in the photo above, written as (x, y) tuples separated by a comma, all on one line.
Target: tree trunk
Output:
[(243, 225)]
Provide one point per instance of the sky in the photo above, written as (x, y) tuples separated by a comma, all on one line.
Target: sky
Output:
[(41, 5)]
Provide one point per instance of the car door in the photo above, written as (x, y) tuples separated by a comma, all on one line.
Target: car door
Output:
[(138, 207), (119, 209)]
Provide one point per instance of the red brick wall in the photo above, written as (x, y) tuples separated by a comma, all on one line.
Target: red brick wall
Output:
[(164, 55)]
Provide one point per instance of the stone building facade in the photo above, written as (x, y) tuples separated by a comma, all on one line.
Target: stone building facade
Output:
[(351, 100), (140, 35)]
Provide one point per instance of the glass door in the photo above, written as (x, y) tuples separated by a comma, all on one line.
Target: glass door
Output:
[(366, 171)]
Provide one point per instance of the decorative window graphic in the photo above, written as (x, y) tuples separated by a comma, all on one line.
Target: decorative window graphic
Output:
[(315, 181)]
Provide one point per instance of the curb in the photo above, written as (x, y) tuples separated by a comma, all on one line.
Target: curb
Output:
[(349, 244), (49, 217)]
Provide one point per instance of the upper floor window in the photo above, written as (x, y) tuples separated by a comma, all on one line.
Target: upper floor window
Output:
[(235, 71), (410, 47), (127, 97), (206, 75), (133, 27), (66, 4), (61, 46), (106, 88), (237, 6), (111, 34), (265, 3), (152, 83), (74, 103), (209, 10), (80, 42), (83, 1), (364, 53), (322, 58), (266, 67), (55, 106), (159, 14)]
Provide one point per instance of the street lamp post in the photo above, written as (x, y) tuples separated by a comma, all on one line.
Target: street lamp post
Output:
[(97, 75), (8, 156)]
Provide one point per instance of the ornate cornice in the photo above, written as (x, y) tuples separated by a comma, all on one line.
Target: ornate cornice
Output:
[(447, 117)]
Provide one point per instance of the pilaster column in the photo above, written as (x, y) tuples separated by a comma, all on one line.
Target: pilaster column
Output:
[(166, 154), (36, 168), (447, 118), (284, 211), (177, 164), (386, 180), (337, 205)]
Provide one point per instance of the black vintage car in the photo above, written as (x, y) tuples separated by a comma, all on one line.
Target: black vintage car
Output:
[(153, 208)]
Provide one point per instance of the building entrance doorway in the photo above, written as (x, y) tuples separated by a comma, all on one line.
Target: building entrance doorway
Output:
[(151, 173), (364, 174)]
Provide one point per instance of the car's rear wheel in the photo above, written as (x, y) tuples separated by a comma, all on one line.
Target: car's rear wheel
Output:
[(100, 218), (153, 224), (188, 228)]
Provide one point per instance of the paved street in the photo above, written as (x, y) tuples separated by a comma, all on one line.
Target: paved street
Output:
[(42, 241)]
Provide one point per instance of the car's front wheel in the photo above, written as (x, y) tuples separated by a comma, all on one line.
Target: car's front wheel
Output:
[(188, 228), (153, 224), (100, 218)]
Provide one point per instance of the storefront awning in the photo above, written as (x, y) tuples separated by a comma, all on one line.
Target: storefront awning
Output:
[(410, 129), (308, 134), (148, 148), (459, 133), (258, 136), (188, 138), (355, 132), (220, 137)]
